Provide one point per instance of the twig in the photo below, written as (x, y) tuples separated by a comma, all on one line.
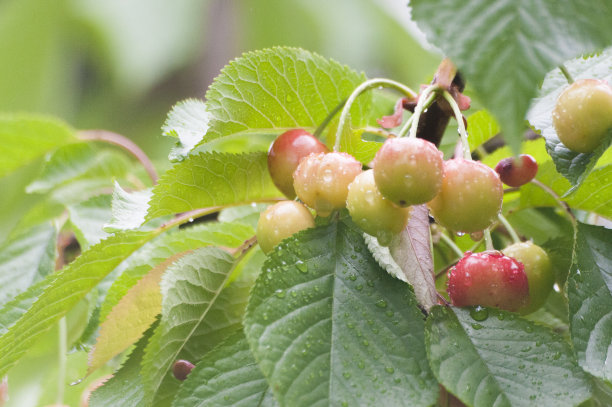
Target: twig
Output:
[(123, 142)]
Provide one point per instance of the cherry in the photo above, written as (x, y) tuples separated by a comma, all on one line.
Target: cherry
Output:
[(583, 114), (321, 180), (408, 171), (372, 212), (539, 272), (285, 154), (280, 221), (470, 198), (181, 369), (489, 279), (516, 172)]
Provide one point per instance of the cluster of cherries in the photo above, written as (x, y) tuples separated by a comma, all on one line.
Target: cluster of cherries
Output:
[(463, 195)]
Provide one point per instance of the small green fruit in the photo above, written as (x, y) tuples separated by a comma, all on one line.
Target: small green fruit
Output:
[(582, 116), (539, 272), (372, 212), (280, 221)]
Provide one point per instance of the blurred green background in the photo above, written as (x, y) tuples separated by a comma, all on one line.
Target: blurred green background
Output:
[(121, 65)]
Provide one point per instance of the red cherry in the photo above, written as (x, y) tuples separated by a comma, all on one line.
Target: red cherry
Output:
[(516, 172), (489, 279), (285, 154)]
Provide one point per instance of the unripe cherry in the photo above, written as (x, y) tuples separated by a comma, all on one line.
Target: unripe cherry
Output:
[(281, 220), (470, 198), (538, 269), (285, 154), (372, 212), (582, 116), (321, 180), (516, 172), (488, 279), (408, 171)]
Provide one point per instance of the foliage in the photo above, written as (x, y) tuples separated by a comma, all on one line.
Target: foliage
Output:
[(149, 275)]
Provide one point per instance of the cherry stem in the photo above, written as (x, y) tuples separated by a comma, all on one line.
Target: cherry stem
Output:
[(369, 84), (442, 299), (553, 194), (515, 237), (451, 244), (123, 142), (566, 73), (425, 100), (62, 350), (196, 213), (460, 125), (328, 119), (488, 239)]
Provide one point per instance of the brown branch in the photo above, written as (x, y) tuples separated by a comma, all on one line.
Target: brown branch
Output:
[(123, 142)]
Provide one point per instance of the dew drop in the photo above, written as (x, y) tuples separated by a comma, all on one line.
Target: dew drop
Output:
[(389, 369), (477, 326), (381, 304), (280, 293), (479, 313), (301, 266)]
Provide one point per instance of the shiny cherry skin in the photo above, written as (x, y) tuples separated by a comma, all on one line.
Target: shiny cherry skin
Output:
[(470, 198), (408, 171), (582, 116), (285, 154), (321, 180), (539, 272), (516, 172), (281, 220), (372, 212), (488, 279)]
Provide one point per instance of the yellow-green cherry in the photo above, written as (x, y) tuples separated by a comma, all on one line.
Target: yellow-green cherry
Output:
[(372, 212), (281, 220)]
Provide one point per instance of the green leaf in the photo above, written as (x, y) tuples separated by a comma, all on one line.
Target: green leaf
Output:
[(246, 214), (188, 329), (229, 376), (70, 285), (505, 47), (125, 388), (409, 257), (481, 127), (24, 138), (328, 326), (187, 121), (590, 300), (128, 209), (88, 219), (131, 317), (593, 195), (26, 259), (168, 245), (574, 166), (14, 309), (78, 162), (212, 179), (278, 89), (499, 359)]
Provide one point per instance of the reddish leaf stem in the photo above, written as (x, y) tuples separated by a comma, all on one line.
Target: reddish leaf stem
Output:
[(123, 142)]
